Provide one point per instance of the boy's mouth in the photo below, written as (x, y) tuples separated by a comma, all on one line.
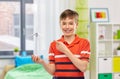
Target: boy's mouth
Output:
[(67, 31)]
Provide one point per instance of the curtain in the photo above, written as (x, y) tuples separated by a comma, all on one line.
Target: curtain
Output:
[(46, 22), (82, 9), (82, 31)]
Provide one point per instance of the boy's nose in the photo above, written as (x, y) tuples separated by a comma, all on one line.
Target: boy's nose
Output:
[(67, 26)]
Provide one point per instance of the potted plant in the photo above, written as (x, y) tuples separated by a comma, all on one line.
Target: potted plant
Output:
[(16, 51), (118, 50)]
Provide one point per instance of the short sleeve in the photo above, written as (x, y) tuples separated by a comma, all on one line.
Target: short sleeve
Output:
[(85, 52), (51, 54)]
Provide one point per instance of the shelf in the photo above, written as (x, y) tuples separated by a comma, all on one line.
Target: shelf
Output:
[(116, 56), (105, 40), (105, 57), (117, 40)]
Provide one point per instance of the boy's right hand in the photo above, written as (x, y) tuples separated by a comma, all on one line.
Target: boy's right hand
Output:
[(37, 59)]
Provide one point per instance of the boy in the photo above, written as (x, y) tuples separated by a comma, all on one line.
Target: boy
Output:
[(68, 55)]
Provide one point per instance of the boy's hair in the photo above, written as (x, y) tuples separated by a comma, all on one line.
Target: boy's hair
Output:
[(69, 13)]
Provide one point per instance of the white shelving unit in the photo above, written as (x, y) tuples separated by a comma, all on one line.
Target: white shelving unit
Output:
[(104, 63)]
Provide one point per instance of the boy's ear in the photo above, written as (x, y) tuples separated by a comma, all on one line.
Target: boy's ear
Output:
[(76, 25)]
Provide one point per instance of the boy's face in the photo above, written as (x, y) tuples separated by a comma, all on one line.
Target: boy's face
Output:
[(68, 26)]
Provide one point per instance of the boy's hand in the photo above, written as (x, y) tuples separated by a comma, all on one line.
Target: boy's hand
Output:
[(37, 59), (61, 47)]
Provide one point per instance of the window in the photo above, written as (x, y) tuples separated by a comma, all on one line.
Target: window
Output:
[(16, 26), (8, 38), (29, 25)]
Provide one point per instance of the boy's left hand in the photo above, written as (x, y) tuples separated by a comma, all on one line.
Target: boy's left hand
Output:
[(61, 47)]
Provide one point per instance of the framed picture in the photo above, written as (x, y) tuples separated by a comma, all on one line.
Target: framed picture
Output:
[(99, 15)]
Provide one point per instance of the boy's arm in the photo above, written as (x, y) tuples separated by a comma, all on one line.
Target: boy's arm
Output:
[(50, 68), (80, 64)]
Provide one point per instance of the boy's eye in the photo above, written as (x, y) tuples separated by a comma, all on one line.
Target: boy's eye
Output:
[(71, 23), (63, 23)]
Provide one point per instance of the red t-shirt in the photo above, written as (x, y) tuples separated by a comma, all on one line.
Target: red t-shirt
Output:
[(80, 47)]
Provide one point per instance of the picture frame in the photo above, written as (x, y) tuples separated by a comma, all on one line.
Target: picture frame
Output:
[(99, 15)]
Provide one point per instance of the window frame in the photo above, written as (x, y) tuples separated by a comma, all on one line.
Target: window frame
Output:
[(22, 26)]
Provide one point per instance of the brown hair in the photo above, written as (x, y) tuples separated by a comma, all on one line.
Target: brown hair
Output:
[(69, 13)]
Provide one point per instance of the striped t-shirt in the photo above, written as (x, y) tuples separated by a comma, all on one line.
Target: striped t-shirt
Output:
[(80, 47)]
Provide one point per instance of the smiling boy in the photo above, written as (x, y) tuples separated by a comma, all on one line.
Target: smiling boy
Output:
[(69, 55)]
